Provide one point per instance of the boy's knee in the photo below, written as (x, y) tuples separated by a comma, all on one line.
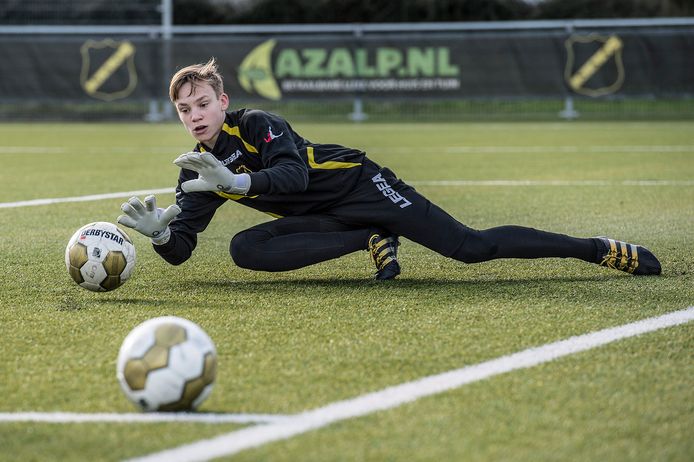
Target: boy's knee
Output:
[(236, 249), (476, 248), (243, 248)]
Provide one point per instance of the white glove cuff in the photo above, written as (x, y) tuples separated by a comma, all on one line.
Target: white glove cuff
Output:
[(163, 238), (243, 183)]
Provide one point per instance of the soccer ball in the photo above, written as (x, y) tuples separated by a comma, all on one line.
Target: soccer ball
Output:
[(167, 364), (100, 256)]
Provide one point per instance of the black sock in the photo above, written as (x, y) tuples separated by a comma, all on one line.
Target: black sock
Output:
[(521, 242)]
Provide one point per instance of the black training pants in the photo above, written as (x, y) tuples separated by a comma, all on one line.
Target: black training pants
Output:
[(380, 202)]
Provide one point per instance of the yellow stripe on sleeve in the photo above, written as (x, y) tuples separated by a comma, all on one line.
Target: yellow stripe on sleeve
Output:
[(328, 165)]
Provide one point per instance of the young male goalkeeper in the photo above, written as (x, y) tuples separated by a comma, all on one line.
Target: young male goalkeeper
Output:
[(329, 200)]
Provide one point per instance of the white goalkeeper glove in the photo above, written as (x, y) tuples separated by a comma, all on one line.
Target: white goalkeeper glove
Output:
[(147, 219), (212, 175)]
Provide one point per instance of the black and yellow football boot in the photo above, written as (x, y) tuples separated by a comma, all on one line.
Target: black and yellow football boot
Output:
[(384, 253), (631, 258)]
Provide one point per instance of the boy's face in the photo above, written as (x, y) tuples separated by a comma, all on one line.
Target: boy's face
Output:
[(201, 111)]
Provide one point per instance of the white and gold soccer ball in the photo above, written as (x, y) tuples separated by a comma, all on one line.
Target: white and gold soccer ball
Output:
[(100, 256), (167, 364)]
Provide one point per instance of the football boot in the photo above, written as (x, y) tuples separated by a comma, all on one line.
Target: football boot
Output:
[(630, 258), (384, 253)]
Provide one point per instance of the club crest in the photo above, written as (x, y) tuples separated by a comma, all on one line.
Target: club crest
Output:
[(108, 69), (594, 64)]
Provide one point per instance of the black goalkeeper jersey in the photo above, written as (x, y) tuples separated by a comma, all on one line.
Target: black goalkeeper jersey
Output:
[(289, 176)]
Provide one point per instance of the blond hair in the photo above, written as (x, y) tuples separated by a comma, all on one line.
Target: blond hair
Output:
[(196, 75)]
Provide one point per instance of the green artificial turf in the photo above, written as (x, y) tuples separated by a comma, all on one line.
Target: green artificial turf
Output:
[(290, 342)]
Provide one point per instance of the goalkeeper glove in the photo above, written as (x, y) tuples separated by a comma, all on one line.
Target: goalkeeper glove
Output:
[(147, 219), (212, 175)]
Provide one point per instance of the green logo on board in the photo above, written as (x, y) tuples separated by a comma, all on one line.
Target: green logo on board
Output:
[(255, 73), (347, 70)]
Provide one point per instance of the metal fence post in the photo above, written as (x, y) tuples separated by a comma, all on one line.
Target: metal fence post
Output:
[(358, 114), (167, 36), (159, 109), (569, 113)]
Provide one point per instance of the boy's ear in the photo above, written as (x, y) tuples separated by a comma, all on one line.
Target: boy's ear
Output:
[(224, 98)]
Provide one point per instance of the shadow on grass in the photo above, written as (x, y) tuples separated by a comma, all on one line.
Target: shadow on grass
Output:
[(138, 301), (419, 283), (67, 303), (588, 288)]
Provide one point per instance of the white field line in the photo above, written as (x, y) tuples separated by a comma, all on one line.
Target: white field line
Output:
[(473, 183), (551, 183), (74, 417), (453, 149), (566, 149), (391, 397), (25, 150), (102, 150), (93, 197)]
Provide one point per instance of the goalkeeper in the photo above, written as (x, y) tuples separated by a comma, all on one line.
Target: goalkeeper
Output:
[(329, 200)]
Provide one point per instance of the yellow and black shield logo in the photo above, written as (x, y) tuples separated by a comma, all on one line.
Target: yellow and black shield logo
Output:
[(108, 69), (594, 64)]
